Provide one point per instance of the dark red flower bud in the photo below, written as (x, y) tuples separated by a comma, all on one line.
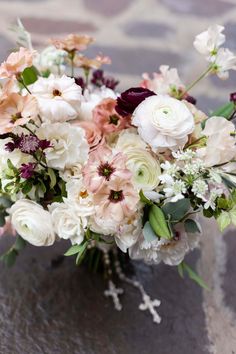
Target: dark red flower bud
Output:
[(27, 170), (130, 99), (191, 99), (233, 97)]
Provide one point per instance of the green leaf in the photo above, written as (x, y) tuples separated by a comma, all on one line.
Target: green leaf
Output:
[(73, 250), (191, 226), (177, 210), (144, 199), (224, 111), (158, 222), (26, 186), (11, 166), (19, 244), (148, 232), (30, 75), (9, 258), (81, 254), (194, 276), (2, 219), (53, 178), (223, 203), (223, 220), (232, 214), (181, 270), (43, 187)]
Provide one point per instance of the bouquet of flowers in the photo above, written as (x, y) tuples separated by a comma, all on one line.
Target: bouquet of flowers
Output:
[(112, 172)]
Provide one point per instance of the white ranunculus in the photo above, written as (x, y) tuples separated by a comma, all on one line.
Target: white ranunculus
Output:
[(163, 122), (59, 98), (129, 139), (145, 168), (69, 145), (32, 222), (76, 193), (224, 61), (67, 222), (209, 41), (92, 99), (171, 252)]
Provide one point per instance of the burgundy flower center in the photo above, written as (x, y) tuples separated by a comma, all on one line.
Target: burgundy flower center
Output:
[(116, 196), (177, 236), (56, 92), (114, 119), (105, 170)]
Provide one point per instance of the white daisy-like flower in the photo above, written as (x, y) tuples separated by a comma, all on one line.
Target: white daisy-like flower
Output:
[(175, 191), (199, 188), (181, 155), (224, 61), (59, 98), (214, 194), (193, 168)]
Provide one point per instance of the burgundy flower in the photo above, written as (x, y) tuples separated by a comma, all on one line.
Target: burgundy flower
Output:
[(27, 170), (130, 99), (190, 99), (29, 143), (98, 79), (233, 97), (44, 144), (80, 82)]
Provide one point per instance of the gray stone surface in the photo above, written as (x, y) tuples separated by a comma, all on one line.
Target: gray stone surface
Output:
[(46, 309)]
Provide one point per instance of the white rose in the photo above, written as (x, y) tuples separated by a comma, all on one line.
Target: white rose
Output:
[(209, 41), (163, 122), (144, 167), (129, 232), (68, 224), (92, 99), (220, 147), (58, 98), (76, 193), (69, 145), (32, 222)]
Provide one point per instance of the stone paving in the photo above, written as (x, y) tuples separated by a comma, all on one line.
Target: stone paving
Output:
[(60, 309)]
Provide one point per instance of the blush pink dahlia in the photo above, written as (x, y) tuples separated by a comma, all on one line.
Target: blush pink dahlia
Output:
[(103, 167)]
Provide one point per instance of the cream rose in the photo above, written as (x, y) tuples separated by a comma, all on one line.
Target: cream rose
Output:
[(67, 223), (163, 122), (69, 145), (32, 222), (144, 167)]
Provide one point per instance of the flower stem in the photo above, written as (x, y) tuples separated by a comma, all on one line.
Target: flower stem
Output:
[(188, 88), (21, 81)]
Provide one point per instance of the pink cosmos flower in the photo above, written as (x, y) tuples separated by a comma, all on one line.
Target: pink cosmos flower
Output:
[(16, 63), (94, 134), (17, 110), (103, 167), (72, 42), (106, 117), (116, 200)]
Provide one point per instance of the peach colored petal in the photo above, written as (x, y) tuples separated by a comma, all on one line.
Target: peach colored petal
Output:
[(16, 63)]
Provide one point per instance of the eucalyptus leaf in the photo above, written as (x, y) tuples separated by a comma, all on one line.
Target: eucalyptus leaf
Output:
[(177, 210), (158, 222), (53, 178), (19, 244), (148, 232), (191, 226), (73, 250)]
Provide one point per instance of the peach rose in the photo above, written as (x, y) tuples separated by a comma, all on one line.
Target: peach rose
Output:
[(17, 110), (106, 117), (16, 63), (94, 134)]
